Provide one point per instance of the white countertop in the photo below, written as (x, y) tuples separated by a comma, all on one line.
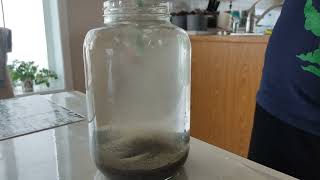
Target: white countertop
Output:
[(63, 154)]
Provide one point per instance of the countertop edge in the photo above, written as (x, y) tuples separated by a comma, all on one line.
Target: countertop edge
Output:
[(231, 39)]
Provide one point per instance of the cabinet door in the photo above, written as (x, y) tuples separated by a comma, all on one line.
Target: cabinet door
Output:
[(225, 80)]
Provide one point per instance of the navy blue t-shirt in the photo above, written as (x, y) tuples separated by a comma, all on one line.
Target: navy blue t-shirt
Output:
[(290, 87)]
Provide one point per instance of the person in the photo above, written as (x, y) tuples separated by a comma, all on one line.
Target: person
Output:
[(5, 47), (286, 132)]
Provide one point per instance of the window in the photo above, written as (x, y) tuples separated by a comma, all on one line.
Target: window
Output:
[(37, 36)]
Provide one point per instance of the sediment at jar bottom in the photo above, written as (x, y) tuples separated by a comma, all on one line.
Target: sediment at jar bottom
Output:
[(155, 174), (142, 155)]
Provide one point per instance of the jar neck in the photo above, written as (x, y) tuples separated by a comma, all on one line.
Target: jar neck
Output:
[(123, 18), (136, 10)]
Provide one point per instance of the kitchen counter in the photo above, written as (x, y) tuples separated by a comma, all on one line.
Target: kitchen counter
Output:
[(63, 154)]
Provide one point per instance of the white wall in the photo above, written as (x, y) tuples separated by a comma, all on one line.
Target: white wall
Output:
[(189, 5), (246, 4)]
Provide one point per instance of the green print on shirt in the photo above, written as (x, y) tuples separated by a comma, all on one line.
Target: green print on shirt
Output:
[(312, 24)]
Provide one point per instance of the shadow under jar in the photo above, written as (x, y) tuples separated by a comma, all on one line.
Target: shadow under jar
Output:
[(138, 80)]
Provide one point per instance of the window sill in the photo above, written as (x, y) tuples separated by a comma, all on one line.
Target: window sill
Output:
[(38, 89)]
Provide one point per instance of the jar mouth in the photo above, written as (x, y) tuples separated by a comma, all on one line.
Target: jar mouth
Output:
[(127, 7)]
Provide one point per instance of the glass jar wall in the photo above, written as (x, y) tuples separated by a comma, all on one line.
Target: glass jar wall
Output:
[(138, 90)]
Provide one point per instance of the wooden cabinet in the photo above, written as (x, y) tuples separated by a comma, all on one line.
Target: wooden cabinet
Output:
[(226, 72)]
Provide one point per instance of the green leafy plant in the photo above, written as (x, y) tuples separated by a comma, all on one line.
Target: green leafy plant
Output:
[(44, 75), (22, 71), (28, 71)]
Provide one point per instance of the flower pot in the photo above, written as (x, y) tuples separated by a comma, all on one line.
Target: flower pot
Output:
[(27, 86), (197, 22)]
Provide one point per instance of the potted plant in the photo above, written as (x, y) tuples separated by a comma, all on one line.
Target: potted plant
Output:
[(28, 74), (44, 75)]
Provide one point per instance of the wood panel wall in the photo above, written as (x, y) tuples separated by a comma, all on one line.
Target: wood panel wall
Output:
[(83, 15), (226, 72)]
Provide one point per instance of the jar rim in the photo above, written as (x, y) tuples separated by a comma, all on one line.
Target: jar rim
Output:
[(136, 7)]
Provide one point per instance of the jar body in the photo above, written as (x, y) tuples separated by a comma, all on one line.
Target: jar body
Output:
[(138, 97)]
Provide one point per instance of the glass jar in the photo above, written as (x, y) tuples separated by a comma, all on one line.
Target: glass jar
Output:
[(138, 90)]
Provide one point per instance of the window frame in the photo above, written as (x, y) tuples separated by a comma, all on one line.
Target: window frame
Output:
[(58, 44)]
